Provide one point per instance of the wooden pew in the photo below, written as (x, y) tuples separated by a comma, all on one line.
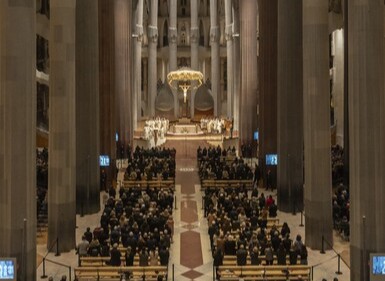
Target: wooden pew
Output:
[(232, 260), (115, 272), (226, 184), (270, 272), (143, 184), (103, 261)]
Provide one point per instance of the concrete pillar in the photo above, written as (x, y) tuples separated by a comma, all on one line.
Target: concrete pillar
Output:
[(222, 85), (62, 126), (152, 56), (87, 108), (145, 85), (137, 93), (237, 61), (194, 40), (215, 61), (122, 23), (172, 46), (106, 89), (267, 79), (338, 85), (248, 93), (316, 101), (290, 107), (229, 48), (366, 128), (18, 135)]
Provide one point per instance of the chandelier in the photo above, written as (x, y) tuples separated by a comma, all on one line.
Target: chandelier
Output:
[(185, 79)]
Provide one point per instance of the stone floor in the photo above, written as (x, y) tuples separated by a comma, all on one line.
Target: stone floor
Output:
[(190, 252)]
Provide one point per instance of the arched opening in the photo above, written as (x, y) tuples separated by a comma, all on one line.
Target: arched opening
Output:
[(201, 34), (165, 34)]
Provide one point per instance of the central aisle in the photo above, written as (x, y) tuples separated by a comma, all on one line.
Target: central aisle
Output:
[(190, 252)]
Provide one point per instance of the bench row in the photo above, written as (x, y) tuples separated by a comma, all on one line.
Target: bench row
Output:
[(151, 183), (225, 183), (232, 260), (103, 261), (271, 272), (115, 272)]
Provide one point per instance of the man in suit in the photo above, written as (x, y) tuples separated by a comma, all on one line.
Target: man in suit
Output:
[(241, 255), (115, 256)]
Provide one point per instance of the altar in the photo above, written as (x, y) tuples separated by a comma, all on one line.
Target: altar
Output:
[(190, 129)]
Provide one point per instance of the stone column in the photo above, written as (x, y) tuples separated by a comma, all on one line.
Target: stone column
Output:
[(152, 56), (87, 108), (229, 48), (222, 84), (62, 126), (137, 93), (338, 88), (106, 81), (18, 135), (267, 79), (145, 82), (248, 93), (290, 107), (122, 23), (215, 60), (367, 134), (316, 101), (237, 61), (194, 37), (172, 46)]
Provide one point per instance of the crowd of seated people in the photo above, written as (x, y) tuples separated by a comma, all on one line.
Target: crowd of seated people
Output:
[(238, 227), (42, 167), (123, 151), (247, 150), (140, 222), (215, 152), (341, 211), (213, 165), (337, 155), (41, 180), (151, 164)]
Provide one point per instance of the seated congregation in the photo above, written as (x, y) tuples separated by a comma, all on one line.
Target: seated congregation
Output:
[(136, 227), (247, 239), (222, 164)]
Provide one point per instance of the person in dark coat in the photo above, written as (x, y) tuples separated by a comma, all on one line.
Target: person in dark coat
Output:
[(143, 258), (293, 256), (303, 254), (88, 235), (281, 255), (164, 255), (241, 256), (254, 256), (130, 254), (218, 257), (230, 246), (115, 256), (257, 176), (218, 261)]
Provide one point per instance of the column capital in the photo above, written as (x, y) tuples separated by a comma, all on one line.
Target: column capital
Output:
[(153, 33), (229, 32), (214, 34), (139, 32), (194, 34), (172, 34)]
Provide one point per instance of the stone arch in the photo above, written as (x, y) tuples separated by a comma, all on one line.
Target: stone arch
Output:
[(165, 34), (164, 102), (201, 34), (203, 102)]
